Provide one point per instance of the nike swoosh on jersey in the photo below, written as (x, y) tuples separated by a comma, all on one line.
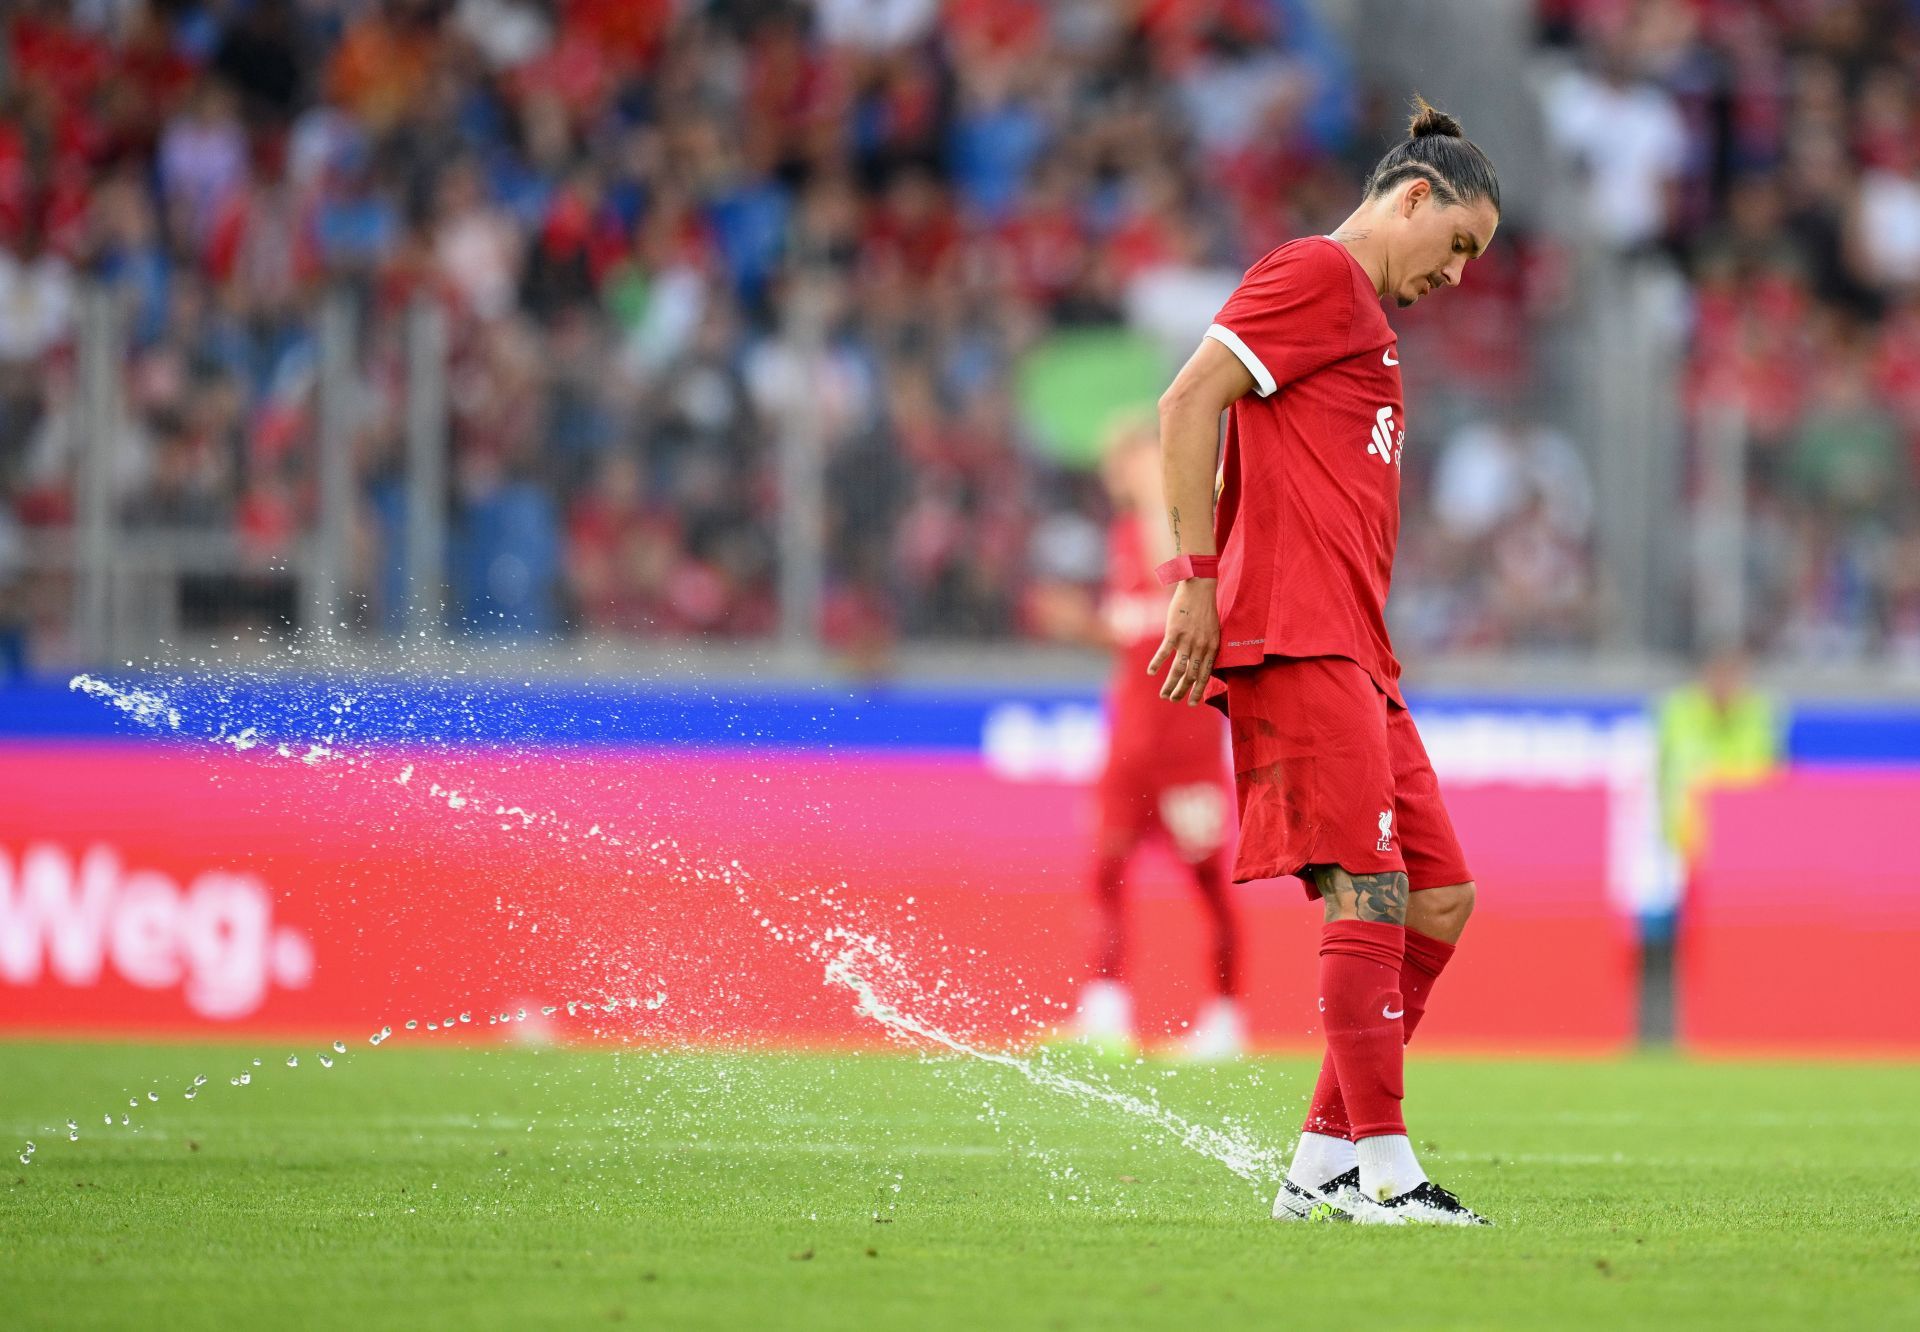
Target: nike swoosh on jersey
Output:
[(1389, 1014), (1388, 358)]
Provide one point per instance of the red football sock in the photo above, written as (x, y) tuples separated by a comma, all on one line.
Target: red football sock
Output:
[(1327, 1113), (1109, 895), (1210, 878), (1362, 1010), (1426, 957)]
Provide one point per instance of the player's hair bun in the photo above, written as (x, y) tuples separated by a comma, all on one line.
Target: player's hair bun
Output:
[(1430, 120), (1437, 152)]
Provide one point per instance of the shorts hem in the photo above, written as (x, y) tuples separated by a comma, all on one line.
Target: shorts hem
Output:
[(1465, 875), (1280, 870), (1243, 875)]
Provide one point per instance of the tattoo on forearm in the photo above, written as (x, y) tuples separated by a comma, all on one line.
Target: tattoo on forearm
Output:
[(1173, 515), (1375, 897)]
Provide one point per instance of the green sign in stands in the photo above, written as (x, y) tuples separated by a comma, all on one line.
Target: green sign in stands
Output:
[(1076, 383)]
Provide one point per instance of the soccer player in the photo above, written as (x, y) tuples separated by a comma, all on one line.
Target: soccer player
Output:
[(1166, 772), (1279, 618)]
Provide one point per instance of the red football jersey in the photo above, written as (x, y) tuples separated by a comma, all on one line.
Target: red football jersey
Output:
[(1166, 742), (1309, 511), (1134, 605)]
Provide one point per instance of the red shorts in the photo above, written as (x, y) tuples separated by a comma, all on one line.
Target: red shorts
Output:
[(1166, 773), (1330, 772), (1194, 812)]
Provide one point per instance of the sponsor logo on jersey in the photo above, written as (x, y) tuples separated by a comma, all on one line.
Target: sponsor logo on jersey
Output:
[(1387, 440), (1388, 358)]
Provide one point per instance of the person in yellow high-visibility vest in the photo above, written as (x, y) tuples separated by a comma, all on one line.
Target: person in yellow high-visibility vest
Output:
[(1716, 732)]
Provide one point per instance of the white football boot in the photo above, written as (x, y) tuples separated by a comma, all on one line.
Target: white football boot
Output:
[(1103, 1022), (1219, 1033), (1430, 1205), (1339, 1199)]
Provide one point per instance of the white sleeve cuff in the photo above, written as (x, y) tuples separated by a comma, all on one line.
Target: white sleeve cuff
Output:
[(1262, 377)]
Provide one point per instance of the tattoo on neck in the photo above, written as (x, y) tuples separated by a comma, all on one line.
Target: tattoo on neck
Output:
[(1173, 514)]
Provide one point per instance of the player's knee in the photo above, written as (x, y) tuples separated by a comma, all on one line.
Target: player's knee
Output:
[(1464, 900), (1442, 913)]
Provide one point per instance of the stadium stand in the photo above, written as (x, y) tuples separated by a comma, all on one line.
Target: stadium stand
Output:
[(661, 230)]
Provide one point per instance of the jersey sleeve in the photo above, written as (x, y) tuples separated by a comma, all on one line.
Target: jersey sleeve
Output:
[(1291, 315)]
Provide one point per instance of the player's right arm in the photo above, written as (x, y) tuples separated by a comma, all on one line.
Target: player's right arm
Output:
[(1190, 410)]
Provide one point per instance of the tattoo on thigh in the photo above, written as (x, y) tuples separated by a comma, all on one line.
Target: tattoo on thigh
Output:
[(1376, 897), (1330, 898), (1381, 897)]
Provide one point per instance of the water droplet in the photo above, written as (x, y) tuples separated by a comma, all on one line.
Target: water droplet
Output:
[(548, 1011), (74, 1136), (245, 1078), (72, 1127), (233, 1082), (521, 1016), (466, 1017), (339, 1047), (133, 1102), (200, 1079), (31, 1149), (293, 1061), (153, 1096), (25, 1159), (413, 1023), (325, 1062), (125, 1120), (256, 1063), (433, 1026), (190, 1093), (107, 1119)]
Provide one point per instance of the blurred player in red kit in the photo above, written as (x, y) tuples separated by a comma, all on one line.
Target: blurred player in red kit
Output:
[(1166, 772), (1278, 618)]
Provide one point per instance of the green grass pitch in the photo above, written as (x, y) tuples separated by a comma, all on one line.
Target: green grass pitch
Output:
[(420, 1187)]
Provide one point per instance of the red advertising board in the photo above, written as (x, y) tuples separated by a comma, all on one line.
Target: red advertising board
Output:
[(1803, 918), (178, 889)]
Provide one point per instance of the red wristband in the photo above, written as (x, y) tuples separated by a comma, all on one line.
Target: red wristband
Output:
[(1182, 567)]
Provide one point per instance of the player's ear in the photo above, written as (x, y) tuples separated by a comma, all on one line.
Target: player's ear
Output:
[(1418, 191)]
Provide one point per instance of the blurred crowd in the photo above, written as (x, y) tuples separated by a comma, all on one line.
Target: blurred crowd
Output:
[(668, 237), (1772, 149), (675, 241)]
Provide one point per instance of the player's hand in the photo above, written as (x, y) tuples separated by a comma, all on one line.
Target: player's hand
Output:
[(1191, 644)]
